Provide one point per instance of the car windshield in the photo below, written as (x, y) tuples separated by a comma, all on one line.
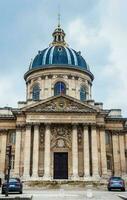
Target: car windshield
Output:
[(13, 180), (116, 178)]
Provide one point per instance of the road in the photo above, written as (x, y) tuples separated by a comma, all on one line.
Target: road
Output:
[(73, 194)]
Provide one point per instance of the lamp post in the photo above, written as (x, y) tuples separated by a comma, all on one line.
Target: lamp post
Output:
[(8, 153)]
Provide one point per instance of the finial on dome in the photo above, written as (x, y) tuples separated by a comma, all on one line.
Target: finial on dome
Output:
[(59, 20), (58, 35), (59, 16)]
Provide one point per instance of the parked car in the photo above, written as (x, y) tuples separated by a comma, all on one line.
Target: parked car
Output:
[(116, 183), (15, 185)]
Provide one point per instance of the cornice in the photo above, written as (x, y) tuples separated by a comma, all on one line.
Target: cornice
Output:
[(48, 67), (7, 117)]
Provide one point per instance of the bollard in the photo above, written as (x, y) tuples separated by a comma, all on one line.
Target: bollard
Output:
[(89, 194)]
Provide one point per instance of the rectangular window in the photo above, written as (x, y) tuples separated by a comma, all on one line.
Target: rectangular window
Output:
[(108, 138), (12, 138), (109, 162)]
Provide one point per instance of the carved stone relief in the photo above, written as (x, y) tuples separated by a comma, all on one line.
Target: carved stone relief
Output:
[(41, 139), (61, 136), (80, 136)]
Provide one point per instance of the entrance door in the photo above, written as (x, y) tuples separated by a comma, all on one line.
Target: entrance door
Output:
[(61, 165)]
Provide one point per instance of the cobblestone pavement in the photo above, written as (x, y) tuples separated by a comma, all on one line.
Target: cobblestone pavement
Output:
[(61, 194)]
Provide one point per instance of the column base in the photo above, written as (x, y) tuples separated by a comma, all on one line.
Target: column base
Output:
[(75, 177), (47, 177), (87, 178), (95, 177), (34, 177), (26, 177), (105, 176)]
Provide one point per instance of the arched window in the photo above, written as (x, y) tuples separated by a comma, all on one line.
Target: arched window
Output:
[(59, 88), (36, 92), (82, 93)]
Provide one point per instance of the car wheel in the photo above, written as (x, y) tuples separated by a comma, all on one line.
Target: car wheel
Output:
[(2, 192), (123, 189), (20, 192), (109, 189)]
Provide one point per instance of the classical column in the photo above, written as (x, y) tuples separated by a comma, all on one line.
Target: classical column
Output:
[(17, 151), (74, 152), (47, 156), (103, 152), (122, 154), (116, 155), (3, 154), (35, 151), (86, 152), (27, 147), (94, 152)]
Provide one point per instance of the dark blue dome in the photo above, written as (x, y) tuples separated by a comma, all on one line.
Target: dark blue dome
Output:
[(59, 55)]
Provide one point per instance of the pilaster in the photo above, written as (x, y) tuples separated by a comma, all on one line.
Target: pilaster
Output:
[(3, 154), (86, 152), (35, 151), (17, 152), (27, 147), (95, 170), (74, 152), (103, 152), (47, 156)]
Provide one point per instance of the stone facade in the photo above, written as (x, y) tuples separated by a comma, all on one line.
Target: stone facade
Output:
[(92, 140)]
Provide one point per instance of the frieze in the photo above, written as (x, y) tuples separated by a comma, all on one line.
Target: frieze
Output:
[(118, 132)]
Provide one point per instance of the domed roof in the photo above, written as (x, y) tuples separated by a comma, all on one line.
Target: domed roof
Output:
[(59, 54)]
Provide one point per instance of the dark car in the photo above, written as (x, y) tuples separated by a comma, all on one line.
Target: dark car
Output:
[(116, 183), (15, 185)]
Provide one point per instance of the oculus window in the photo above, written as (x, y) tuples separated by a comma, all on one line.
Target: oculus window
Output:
[(36, 93), (59, 88)]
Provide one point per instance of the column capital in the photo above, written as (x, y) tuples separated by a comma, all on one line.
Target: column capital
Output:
[(93, 126), (74, 125), (47, 125), (36, 126), (101, 127), (85, 126), (28, 125), (18, 128)]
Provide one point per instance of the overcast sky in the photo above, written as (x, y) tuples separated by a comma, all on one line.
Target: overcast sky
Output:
[(97, 28)]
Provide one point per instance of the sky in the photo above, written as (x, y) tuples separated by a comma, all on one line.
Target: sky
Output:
[(97, 28)]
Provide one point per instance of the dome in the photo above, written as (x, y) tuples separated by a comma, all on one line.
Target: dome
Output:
[(59, 54)]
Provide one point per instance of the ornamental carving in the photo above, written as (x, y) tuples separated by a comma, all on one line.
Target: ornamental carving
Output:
[(80, 135), (41, 139), (61, 136), (61, 104)]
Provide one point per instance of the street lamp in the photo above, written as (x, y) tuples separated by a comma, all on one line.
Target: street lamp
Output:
[(8, 153)]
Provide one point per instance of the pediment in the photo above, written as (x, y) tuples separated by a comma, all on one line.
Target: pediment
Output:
[(61, 103)]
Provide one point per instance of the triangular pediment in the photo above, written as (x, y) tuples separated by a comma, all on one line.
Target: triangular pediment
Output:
[(62, 103)]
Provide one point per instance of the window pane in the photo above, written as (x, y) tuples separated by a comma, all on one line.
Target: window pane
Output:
[(59, 88), (109, 162), (82, 94), (36, 93), (12, 138)]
